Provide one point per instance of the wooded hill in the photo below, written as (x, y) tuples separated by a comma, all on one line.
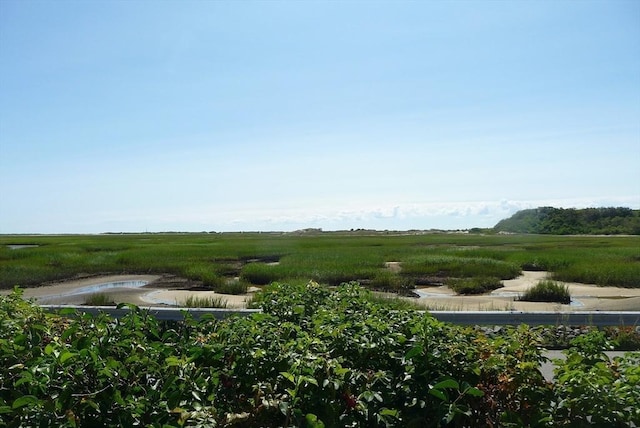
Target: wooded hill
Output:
[(571, 221)]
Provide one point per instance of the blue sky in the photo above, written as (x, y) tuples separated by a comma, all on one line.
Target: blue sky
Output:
[(258, 115)]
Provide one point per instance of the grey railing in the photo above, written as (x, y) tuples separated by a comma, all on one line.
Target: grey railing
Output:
[(595, 318)]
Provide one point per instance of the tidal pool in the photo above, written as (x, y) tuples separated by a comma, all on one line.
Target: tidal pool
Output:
[(20, 246), (94, 288)]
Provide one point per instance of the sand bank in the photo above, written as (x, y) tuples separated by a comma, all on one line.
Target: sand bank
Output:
[(157, 290)]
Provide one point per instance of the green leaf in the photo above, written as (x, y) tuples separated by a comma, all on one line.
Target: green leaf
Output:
[(367, 396), (313, 421), (413, 352), (173, 361), (311, 380), (474, 392), (390, 412), (66, 355), (447, 384), (288, 376), (92, 404), (48, 349), (438, 394), (25, 400)]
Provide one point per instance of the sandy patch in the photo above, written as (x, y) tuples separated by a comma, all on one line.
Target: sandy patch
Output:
[(178, 297), (140, 290), (172, 291), (394, 267), (585, 297), (74, 292)]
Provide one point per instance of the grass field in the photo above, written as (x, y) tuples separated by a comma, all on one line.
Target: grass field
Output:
[(326, 257)]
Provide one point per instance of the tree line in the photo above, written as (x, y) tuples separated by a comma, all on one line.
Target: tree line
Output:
[(572, 221)]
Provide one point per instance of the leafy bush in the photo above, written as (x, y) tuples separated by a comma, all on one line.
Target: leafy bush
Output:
[(314, 357), (596, 391), (547, 291)]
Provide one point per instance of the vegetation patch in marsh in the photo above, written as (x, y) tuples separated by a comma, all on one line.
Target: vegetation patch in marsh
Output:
[(205, 302), (477, 285), (445, 266), (394, 302), (329, 258), (389, 281), (99, 299), (547, 291), (233, 286)]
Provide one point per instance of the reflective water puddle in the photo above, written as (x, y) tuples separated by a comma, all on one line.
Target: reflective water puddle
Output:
[(94, 288)]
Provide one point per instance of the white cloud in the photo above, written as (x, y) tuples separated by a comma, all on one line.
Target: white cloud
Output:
[(452, 215)]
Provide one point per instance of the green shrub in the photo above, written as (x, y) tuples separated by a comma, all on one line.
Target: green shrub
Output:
[(547, 291), (594, 390), (316, 356), (474, 285)]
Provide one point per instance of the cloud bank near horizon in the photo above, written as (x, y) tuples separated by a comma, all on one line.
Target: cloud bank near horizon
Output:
[(415, 216)]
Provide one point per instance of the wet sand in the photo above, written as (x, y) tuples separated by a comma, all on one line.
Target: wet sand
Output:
[(585, 297), (159, 291)]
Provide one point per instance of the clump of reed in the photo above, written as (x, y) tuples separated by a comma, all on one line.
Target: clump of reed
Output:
[(547, 291), (205, 302), (99, 299)]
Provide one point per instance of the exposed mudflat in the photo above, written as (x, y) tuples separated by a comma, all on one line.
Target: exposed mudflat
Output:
[(168, 290), (584, 297)]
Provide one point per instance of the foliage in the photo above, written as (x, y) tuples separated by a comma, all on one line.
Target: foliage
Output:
[(559, 221), (547, 291), (314, 357), (594, 391)]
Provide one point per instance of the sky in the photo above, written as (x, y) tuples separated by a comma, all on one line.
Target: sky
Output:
[(151, 116)]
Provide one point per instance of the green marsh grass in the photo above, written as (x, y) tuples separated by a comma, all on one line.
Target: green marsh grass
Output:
[(99, 299), (475, 285), (441, 265), (205, 302), (547, 291), (233, 287), (395, 302), (328, 258)]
